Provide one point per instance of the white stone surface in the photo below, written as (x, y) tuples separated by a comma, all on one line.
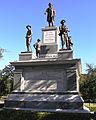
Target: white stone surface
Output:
[(49, 56), (40, 85), (44, 80), (17, 80), (49, 36), (45, 97), (25, 56)]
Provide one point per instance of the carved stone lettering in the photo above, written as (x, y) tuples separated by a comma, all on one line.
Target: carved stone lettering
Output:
[(49, 36)]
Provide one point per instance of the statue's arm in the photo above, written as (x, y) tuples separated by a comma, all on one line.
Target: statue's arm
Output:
[(67, 29), (45, 12), (54, 12), (60, 31)]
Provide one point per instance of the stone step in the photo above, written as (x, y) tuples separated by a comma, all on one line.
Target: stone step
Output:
[(44, 101)]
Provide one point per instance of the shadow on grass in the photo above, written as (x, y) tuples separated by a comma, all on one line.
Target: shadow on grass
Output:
[(28, 115)]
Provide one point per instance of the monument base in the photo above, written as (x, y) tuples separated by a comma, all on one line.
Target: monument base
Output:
[(45, 101), (65, 54), (44, 84), (25, 56)]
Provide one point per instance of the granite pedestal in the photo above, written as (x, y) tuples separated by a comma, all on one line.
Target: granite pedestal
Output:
[(49, 83), (46, 84), (50, 42)]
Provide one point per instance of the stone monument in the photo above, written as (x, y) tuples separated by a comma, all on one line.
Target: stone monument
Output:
[(50, 42), (48, 83)]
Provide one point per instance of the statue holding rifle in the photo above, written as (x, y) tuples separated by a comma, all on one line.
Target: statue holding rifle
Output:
[(28, 37)]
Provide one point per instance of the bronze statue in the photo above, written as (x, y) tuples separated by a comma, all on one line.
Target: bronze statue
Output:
[(50, 14), (28, 37), (63, 33), (37, 47), (70, 43)]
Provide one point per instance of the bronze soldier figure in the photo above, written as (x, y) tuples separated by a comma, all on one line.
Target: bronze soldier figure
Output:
[(63, 33), (28, 37), (70, 43), (37, 47), (50, 14)]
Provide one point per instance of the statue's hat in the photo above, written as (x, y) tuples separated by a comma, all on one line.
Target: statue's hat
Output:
[(62, 21), (50, 3), (38, 40), (28, 26)]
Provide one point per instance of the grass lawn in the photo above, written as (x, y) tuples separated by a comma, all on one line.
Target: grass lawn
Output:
[(91, 106), (29, 115), (2, 98)]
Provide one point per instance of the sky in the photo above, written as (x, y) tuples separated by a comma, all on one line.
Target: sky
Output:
[(80, 16)]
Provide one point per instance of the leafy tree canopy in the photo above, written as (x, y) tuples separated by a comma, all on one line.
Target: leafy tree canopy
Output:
[(88, 84), (1, 52), (6, 80)]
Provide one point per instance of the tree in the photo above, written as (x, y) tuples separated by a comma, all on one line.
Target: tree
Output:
[(6, 80), (88, 84), (1, 52)]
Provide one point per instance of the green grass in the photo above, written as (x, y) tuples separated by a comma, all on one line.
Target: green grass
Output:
[(91, 106), (2, 98), (28, 115)]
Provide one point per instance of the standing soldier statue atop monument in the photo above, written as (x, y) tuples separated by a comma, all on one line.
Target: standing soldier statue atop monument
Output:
[(28, 37), (50, 14), (64, 34), (37, 47), (70, 43)]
